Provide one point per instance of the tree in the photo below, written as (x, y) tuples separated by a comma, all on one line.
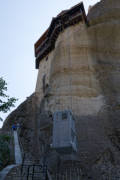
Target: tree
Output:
[(5, 101)]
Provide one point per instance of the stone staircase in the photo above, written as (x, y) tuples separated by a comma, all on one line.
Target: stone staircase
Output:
[(24, 169), (18, 158), (5, 171), (27, 171), (18, 155)]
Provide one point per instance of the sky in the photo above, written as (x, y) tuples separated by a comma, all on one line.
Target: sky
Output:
[(22, 22)]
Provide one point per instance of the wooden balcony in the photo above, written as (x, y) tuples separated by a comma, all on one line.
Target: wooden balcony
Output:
[(67, 18)]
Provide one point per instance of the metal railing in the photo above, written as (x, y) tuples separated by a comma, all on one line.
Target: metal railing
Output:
[(30, 172)]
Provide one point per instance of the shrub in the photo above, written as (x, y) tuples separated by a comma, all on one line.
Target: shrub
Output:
[(4, 150)]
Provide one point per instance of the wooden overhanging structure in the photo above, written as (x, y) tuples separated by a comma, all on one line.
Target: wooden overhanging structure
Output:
[(66, 18)]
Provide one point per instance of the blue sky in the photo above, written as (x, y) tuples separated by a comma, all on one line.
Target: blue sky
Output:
[(22, 22)]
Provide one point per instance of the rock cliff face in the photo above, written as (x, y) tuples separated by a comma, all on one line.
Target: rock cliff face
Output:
[(72, 80), (83, 75), (26, 116), (104, 19)]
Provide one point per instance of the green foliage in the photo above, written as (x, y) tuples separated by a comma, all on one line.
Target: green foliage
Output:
[(5, 138), (4, 150), (5, 101)]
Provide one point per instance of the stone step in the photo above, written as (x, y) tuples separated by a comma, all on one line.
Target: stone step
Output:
[(6, 170), (18, 155)]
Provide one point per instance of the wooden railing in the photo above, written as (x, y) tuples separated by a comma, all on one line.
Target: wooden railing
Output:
[(46, 44)]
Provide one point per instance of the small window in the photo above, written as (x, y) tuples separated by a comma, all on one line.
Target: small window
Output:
[(47, 86), (64, 116)]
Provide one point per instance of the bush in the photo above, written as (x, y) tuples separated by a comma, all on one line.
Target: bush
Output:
[(4, 150)]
